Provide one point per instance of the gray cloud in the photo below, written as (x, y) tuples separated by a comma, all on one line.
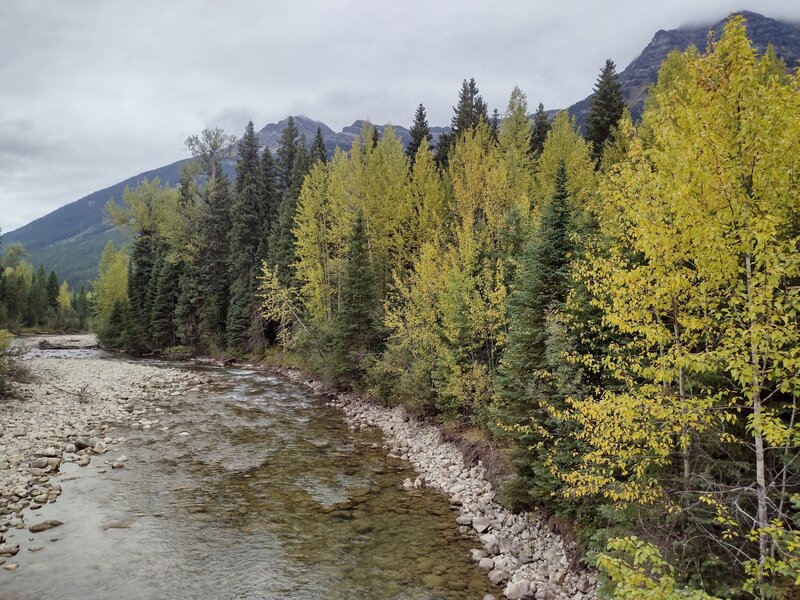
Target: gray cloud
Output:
[(93, 91)]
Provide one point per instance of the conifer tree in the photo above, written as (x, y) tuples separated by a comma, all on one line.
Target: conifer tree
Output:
[(82, 308), (318, 151), (116, 332), (269, 202), (359, 309), (165, 297), (52, 290), (494, 123), (281, 244), (419, 131), (245, 236), (140, 276), (469, 112), (213, 260), (607, 107), (288, 145), (541, 126), (525, 375), (37, 298)]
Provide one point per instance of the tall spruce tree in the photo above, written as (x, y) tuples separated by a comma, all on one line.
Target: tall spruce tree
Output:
[(162, 308), (140, 276), (525, 374), (36, 307), (213, 259), (359, 308), (52, 290), (288, 145), (280, 247), (494, 123), (245, 238), (469, 112), (270, 202), (318, 151), (419, 131), (607, 107), (541, 127)]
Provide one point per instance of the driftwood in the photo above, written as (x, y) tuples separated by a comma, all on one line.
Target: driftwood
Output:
[(81, 394), (48, 345)]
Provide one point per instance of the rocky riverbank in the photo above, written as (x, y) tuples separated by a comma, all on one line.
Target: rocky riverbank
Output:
[(517, 551), (66, 410)]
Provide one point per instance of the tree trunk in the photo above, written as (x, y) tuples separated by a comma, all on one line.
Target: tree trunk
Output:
[(761, 487)]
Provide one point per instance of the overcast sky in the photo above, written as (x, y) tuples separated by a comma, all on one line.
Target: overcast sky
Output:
[(92, 92)]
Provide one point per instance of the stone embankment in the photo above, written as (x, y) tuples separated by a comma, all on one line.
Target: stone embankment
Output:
[(66, 411), (518, 551)]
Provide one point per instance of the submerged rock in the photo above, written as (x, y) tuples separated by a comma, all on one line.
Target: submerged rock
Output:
[(44, 526)]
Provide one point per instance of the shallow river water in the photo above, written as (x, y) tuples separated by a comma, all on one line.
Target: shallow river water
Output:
[(268, 496)]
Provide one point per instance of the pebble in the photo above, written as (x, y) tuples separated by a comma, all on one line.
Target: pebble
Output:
[(48, 426)]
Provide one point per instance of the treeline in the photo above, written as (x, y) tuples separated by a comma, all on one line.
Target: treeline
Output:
[(620, 311), (33, 298)]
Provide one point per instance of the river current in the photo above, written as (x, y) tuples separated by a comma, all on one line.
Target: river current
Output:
[(250, 488)]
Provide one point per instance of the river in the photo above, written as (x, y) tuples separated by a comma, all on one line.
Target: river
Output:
[(250, 487)]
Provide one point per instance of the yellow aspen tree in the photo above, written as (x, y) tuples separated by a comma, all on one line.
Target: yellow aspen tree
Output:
[(385, 206), (514, 139), (427, 207), (111, 284), (701, 271), (565, 143), (314, 243), (64, 299)]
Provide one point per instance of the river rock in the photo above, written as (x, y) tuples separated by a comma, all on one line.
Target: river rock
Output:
[(478, 554), (546, 593), (496, 576), (489, 541), (99, 448), (519, 590), (11, 567), (49, 452), (38, 463), (584, 585), (464, 519), (82, 443), (481, 524), (486, 564), (44, 526), (9, 549)]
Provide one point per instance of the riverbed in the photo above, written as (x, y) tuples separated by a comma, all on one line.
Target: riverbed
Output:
[(227, 483)]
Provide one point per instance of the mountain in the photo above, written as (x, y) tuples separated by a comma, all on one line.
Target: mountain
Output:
[(270, 134), (637, 77), (70, 239)]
